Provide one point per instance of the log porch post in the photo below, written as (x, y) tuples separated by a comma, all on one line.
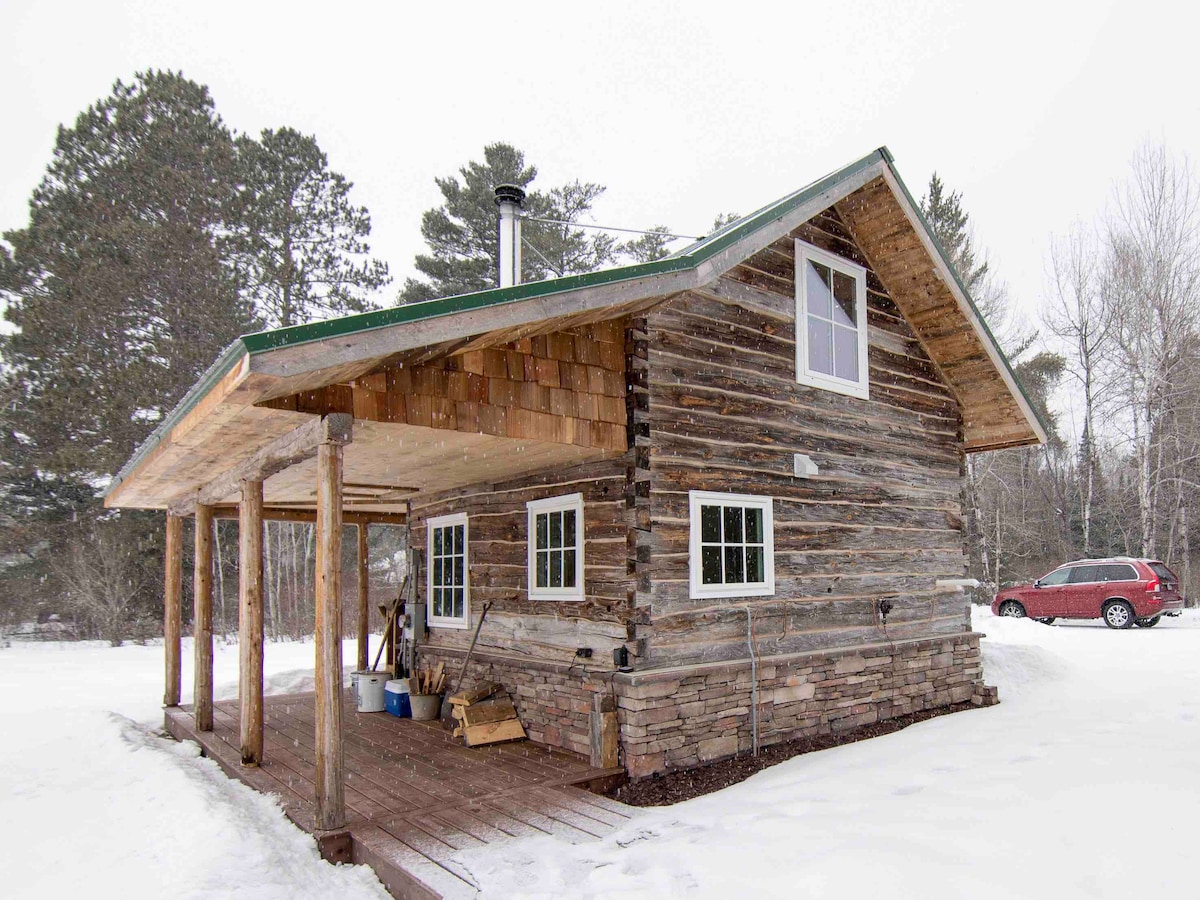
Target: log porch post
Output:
[(329, 787), (364, 596), (250, 622), (172, 608), (202, 619)]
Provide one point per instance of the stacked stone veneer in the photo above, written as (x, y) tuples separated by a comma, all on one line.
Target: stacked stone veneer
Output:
[(686, 716), (553, 701), (683, 717)]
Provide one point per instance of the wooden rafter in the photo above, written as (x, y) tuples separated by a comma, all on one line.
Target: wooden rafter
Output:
[(296, 446)]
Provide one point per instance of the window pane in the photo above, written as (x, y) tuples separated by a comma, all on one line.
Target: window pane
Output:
[(437, 540), (754, 565), (556, 529), (820, 346), (845, 353), (543, 530), (710, 524), (458, 539), (556, 568), (437, 570), (569, 568), (1058, 576), (568, 528), (458, 603), (1084, 574), (1117, 573), (734, 574), (710, 565), (817, 290), (844, 312), (733, 524), (458, 572), (754, 526), (437, 601), (543, 569)]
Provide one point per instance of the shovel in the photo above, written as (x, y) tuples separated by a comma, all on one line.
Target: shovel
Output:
[(447, 714)]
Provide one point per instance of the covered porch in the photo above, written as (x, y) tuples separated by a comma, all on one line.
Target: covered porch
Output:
[(413, 794)]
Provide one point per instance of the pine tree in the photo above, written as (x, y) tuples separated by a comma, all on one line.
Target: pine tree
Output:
[(462, 232), (117, 287), (299, 244), (648, 247), (944, 213)]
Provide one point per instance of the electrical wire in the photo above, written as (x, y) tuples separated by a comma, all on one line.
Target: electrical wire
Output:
[(665, 234)]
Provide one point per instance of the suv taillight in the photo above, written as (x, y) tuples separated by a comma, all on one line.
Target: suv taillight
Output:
[(1152, 585)]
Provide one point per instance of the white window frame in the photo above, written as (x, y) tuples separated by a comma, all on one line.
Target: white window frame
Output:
[(448, 522), (549, 505), (697, 588), (861, 386)]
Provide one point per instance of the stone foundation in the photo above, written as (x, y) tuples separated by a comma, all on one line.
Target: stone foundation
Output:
[(682, 717), (678, 718), (553, 701)]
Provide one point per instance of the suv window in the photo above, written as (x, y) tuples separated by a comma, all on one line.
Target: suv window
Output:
[(1163, 572), (1085, 574), (1117, 573), (1055, 578)]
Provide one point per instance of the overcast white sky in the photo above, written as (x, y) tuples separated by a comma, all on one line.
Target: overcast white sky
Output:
[(682, 110)]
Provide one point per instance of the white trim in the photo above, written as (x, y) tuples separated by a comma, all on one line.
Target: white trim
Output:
[(861, 386), (554, 504), (447, 522), (696, 587)]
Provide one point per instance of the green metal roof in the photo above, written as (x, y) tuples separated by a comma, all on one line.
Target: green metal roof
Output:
[(688, 258)]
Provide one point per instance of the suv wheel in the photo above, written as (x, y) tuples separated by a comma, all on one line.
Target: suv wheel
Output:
[(1118, 614), (1046, 620), (1012, 609), (1148, 623)]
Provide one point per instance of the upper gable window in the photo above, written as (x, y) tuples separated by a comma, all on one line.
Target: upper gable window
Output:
[(831, 322)]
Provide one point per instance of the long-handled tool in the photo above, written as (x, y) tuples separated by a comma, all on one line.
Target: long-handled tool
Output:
[(447, 715), (390, 625)]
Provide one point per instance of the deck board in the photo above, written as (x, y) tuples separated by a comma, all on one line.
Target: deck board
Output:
[(415, 796)]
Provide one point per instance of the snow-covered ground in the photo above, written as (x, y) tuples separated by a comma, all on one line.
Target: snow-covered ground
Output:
[(1082, 783), (94, 805)]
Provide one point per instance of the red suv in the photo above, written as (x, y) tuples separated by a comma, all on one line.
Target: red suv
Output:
[(1120, 590)]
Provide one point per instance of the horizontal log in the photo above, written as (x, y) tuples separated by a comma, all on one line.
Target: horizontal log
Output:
[(275, 514), (296, 446)]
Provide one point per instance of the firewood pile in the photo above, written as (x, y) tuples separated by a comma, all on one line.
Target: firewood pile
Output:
[(486, 715)]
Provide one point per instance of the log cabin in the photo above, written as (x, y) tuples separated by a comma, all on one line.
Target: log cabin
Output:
[(711, 501)]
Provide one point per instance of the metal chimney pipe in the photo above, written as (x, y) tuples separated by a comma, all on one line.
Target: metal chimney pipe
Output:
[(509, 198)]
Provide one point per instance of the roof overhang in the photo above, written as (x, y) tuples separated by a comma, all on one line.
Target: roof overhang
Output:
[(220, 411)]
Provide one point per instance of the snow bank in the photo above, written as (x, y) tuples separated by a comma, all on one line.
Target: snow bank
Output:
[(96, 803)]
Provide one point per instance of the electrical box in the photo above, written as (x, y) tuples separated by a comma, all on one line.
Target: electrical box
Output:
[(804, 466)]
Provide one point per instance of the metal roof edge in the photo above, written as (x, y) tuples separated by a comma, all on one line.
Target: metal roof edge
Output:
[(222, 366)]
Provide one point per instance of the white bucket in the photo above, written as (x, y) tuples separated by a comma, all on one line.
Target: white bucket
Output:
[(354, 676), (371, 691)]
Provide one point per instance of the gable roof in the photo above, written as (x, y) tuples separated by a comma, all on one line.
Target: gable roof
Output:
[(274, 363)]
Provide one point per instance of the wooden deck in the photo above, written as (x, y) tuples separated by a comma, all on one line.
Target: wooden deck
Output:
[(414, 794)]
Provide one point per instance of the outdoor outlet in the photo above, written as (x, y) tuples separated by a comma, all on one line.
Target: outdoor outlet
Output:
[(584, 652)]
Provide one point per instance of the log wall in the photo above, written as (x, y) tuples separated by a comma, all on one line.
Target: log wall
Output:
[(724, 412), (516, 626)]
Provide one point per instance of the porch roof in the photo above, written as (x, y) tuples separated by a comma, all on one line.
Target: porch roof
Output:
[(220, 419)]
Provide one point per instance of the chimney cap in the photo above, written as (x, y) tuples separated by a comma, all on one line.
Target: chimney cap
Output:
[(510, 193)]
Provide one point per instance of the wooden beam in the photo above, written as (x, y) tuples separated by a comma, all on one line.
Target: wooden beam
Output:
[(285, 451), (250, 623), (329, 788), (172, 608), (202, 619), (279, 514), (364, 597)]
